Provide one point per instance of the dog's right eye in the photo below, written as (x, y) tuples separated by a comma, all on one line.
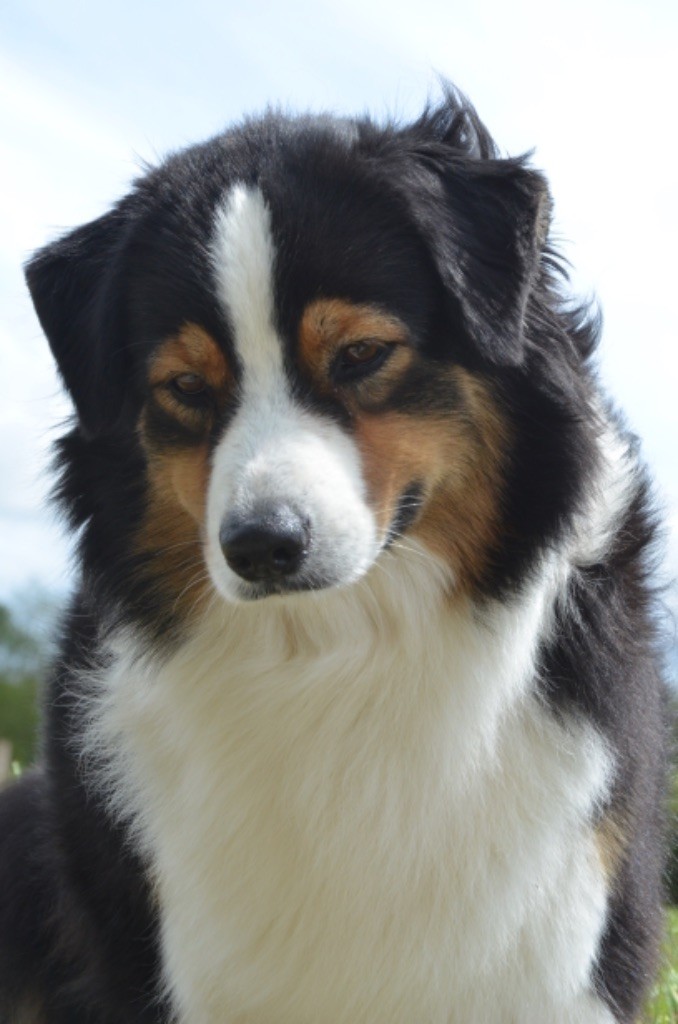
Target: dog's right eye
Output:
[(189, 388), (359, 359)]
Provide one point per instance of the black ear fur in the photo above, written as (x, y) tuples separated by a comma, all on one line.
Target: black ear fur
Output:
[(485, 221), (487, 228), (76, 290)]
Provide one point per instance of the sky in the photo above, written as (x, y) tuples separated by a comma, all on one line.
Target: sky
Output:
[(91, 91)]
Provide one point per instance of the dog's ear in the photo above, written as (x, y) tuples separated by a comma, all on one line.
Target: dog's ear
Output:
[(485, 222), (75, 287)]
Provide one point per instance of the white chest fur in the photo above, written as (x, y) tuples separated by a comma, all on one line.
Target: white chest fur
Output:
[(357, 811)]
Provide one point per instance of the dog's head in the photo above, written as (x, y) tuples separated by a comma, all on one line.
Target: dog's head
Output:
[(298, 325)]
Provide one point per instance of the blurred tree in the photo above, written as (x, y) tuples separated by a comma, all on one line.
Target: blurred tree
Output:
[(19, 717), (19, 651), (24, 650)]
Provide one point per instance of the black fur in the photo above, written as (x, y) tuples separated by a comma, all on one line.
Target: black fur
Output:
[(425, 220)]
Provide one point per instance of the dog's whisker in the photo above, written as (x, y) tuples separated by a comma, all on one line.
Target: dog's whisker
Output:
[(198, 579)]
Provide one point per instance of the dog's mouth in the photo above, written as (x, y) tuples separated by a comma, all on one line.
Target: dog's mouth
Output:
[(281, 588)]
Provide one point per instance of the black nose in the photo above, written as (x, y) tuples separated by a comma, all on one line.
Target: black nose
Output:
[(269, 546)]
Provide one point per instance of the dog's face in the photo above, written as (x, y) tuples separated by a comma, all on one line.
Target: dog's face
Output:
[(299, 324)]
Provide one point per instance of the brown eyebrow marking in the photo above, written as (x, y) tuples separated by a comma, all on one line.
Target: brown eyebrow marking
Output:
[(192, 350), (328, 323)]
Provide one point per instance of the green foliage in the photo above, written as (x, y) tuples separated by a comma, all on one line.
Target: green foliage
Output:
[(663, 1006), (23, 653), (19, 716), (19, 650)]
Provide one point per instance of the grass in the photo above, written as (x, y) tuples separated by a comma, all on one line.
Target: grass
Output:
[(663, 1006)]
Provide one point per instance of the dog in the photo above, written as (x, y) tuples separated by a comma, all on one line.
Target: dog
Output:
[(358, 715)]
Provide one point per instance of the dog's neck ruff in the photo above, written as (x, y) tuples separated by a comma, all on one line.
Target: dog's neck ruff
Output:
[(340, 794)]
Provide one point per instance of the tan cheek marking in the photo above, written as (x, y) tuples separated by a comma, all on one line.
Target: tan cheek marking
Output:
[(182, 477), (462, 522), (170, 538), (457, 458), (396, 450)]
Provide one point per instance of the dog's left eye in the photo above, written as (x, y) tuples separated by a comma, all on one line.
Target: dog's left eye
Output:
[(359, 359)]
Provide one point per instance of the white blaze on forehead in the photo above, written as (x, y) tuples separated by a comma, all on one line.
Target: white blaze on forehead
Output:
[(244, 256), (273, 452)]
